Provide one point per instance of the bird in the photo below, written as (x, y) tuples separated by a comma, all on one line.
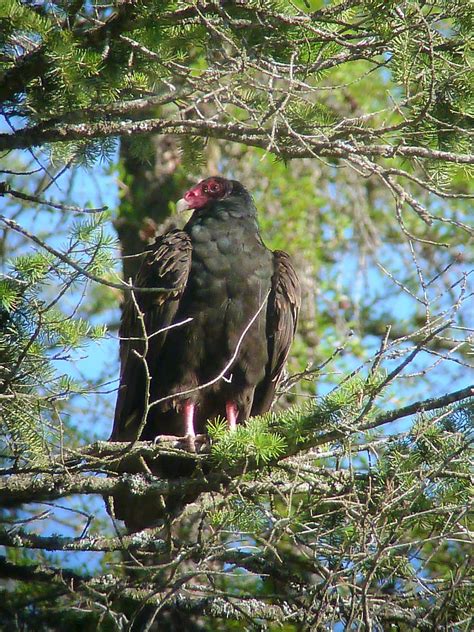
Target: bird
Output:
[(213, 339)]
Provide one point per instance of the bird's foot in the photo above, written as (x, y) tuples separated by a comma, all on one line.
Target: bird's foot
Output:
[(231, 412), (189, 443)]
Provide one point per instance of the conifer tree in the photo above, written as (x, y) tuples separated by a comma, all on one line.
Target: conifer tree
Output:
[(349, 506)]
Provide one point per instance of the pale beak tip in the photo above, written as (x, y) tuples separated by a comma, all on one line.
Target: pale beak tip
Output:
[(182, 205)]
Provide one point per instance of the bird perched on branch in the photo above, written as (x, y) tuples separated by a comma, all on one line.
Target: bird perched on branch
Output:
[(213, 339)]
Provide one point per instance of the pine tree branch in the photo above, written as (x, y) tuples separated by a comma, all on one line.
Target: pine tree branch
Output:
[(400, 331), (41, 486), (35, 63), (5, 189), (146, 540), (254, 136), (113, 452), (17, 489), (73, 264), (232, 607), (252, 609), (432, 403), (425, 405), (40, 573), (236, 609)]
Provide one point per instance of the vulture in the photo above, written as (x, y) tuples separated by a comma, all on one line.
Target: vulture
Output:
[(212, 340)]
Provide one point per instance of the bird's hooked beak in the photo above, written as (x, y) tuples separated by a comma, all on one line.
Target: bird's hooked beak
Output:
[(182, 205), (192, 199)]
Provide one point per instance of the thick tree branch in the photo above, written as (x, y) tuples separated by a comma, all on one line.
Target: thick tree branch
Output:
[(146, 540), (22, 488), (40, 486), (252, 609), (254, 136)]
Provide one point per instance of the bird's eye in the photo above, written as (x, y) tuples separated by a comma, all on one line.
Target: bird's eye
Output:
[(214, 187)]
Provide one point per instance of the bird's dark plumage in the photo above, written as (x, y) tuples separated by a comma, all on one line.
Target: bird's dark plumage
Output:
[(219, 335)]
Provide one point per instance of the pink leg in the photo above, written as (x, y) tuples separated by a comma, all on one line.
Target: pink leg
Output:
[(188, 409), (231, 412)]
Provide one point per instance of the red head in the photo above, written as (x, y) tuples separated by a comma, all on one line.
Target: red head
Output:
[(208, 190)]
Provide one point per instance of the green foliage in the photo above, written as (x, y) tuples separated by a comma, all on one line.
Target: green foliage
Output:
[(83, 153), (418, 54), (239, 515), (35, 329), (436, 443), (32, 268), (192, 151), (22, 366), (316, 115), (252, 440), (264, 439), (17, 16), (381, 525), (10, 293)]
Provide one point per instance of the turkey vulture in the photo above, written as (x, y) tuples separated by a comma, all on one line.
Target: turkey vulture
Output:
[(218, 337)]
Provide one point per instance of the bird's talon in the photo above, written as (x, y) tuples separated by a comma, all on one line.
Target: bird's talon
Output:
[(190, 442)]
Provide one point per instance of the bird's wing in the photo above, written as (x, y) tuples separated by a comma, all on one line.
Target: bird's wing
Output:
[(166, 265), (282, 314)]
